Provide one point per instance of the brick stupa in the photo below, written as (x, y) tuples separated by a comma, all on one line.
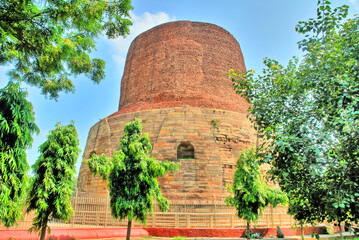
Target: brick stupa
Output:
[(175, 80)]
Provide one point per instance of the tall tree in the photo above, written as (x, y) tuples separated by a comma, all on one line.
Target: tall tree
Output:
[(16, 128), (49, 41), (53, 182), (250, 195), (308, 113), (132, 176)]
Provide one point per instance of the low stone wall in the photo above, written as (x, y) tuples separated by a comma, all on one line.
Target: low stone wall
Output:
[(99, 233), (229, 233), (72, 233)]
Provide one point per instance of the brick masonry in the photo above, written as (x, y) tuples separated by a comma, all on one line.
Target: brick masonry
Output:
[(182, 63), (231, 233)]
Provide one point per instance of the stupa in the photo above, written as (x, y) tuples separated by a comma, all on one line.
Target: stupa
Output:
[(175, 80)]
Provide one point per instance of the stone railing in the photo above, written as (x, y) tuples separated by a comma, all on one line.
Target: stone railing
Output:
[(95, 212)]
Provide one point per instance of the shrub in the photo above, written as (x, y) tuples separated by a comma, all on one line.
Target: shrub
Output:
[(279, 233), (255, 236)]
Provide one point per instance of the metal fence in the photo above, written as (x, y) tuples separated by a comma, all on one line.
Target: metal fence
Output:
[(95, 212)]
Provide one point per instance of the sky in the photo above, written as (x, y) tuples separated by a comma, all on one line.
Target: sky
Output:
[(263, 28)]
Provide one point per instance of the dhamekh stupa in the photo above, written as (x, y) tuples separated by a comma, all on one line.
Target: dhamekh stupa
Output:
[(175, 80)]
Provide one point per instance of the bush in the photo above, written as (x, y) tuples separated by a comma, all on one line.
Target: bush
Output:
[(255, 236), (279, 233)]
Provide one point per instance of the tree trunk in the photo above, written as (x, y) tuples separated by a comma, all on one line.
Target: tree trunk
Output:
[(43, 230), (340, 231), (128, 236), (302, 231), (248, 233)]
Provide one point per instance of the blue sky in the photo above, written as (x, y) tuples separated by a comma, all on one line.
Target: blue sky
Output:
[(263, 28)]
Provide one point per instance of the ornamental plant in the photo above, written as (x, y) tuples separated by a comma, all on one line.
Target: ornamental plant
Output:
[(250, 195), (132, 176), (53, 182)]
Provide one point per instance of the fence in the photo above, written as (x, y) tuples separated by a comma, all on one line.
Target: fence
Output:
[(95, 212)]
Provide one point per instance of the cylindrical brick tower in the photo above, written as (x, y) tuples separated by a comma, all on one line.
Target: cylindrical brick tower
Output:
[(175, 80)]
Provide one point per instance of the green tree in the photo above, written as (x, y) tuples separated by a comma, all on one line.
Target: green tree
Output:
[(49, 41), (250, 195), (53, 182), (307, 114), (16, 128), (131, 175)]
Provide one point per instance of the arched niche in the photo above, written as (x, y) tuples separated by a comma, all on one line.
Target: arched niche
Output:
[(185, 151)]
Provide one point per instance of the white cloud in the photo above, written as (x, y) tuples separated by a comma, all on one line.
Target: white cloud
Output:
[(140, 25), (355, 3)]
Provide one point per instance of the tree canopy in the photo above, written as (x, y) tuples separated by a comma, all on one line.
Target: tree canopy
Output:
[(50, 41), (250, 195), (132, 176), (16, 128), (307, 113), (53, 182)]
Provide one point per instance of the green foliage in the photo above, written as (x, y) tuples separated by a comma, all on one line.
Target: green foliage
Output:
[(17, 124), (315, 235), (53, 182), (49, 41), (132, 175), (279, 233), (100, 165), (249, 194), (179, 238), (214, 123), (307, 114), (255, 236), (75, 182)]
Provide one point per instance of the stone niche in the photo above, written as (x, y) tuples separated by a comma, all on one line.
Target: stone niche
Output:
[(175, 80)]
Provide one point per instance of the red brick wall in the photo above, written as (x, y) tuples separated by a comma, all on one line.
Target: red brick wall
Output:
[(229, 232), (182, 63)]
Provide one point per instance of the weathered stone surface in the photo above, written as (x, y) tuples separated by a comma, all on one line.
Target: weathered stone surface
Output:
[(175, 81), (214, 160)]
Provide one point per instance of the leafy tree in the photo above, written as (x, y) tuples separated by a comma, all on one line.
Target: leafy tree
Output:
[(131, 175), (48, 41), (341, 179), (53, 182), (16, 127), (307, 113), (249, 194)]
